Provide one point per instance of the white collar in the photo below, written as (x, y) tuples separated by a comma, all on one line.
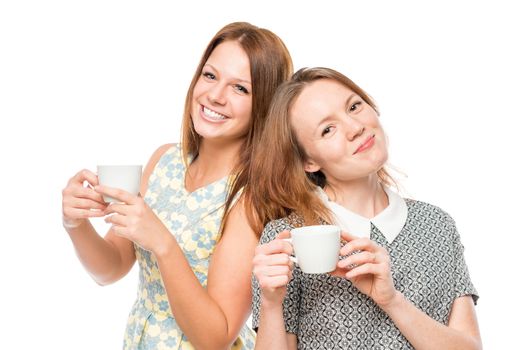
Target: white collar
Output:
[(389, 221)]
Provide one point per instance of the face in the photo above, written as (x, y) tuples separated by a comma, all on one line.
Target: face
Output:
[(221, 106), (340, 133)]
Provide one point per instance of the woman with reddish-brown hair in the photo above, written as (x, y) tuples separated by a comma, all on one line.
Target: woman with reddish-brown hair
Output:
[(401, 281), (189, 231)]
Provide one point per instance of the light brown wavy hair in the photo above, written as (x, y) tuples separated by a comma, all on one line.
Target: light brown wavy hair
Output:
[(278, 183), (270, 64)]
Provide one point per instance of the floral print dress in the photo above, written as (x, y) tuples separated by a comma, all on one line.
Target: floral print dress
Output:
[(194, 219)]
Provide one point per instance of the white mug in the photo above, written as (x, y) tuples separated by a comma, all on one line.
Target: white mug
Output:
[(316, 247), (124, 177)]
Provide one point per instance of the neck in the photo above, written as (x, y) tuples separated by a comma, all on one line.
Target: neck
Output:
[(364, 196), (215, 160)]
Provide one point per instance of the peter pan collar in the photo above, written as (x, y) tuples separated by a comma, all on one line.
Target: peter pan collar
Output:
[(390, 221)]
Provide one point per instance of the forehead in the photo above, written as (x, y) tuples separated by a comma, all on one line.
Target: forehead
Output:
[(320, 99), (230, 59)]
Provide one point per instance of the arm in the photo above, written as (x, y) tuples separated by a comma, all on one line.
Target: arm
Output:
[(109, 258), (225, 304), (273, 271), (105, 259), (210, 317), (372, 276), (423, 332), (271, 330)]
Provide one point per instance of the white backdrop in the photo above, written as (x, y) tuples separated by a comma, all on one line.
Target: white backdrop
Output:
[(83, 83)]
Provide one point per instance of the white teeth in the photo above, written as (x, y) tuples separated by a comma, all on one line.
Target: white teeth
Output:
[(212, 114)]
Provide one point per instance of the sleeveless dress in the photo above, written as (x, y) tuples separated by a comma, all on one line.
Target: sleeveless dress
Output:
[(194, 219)]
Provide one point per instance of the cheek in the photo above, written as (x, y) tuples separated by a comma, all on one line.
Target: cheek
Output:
[(327, 153), (199, 88), (242, 109)]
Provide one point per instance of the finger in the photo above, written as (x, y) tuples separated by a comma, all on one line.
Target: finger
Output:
[(359, 244), (73, 213), (80, 203), (272, 283), (272, 271), (85, 175), (284, 234), (116, 219), (339, 272), (347, 236), (360, 258), (366, 269), (122, 209), (77, 191), (118, 194), (90, 193), (270, 260), (276, 246)]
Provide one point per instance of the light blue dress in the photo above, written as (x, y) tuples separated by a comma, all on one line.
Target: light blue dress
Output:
[(194, 219)]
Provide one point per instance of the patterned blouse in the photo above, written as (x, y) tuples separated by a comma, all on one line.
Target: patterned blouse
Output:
[(194, 219), (428, 267)]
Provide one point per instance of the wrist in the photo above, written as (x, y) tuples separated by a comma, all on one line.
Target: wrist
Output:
[(271, 302), (165, 247), (396, 300), (70, 224)]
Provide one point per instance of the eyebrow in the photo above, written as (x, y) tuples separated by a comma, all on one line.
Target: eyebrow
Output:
[(346, 105), (241, 80)]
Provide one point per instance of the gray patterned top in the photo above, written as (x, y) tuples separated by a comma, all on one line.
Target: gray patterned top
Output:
[(428, 267)]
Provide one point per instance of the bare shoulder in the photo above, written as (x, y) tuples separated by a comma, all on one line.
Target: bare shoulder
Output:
[(150, 166)]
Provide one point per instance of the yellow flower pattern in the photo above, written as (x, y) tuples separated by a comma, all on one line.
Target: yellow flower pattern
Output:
[(194, 219)]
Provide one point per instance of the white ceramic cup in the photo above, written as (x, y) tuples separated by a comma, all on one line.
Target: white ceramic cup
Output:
[(124, 177), (316, 247)]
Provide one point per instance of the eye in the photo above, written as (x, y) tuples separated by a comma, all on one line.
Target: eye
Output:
[(241, 89), (209, 75), (326, 130), (355, 106)]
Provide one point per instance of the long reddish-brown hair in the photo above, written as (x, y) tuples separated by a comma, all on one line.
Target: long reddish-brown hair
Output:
[(278, 183), (270, 65)]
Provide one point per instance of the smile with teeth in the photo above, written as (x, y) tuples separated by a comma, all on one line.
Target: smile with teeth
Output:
[(212, 114)]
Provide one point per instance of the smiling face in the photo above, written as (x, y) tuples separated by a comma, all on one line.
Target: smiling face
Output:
[(222, 98), (339, 132)]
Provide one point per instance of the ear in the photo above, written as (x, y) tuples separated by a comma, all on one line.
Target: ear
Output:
[(310, 166)]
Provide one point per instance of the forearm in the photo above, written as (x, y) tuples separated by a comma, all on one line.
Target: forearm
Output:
[(423, 332), (271, 330), (196, 312), (98, 256)]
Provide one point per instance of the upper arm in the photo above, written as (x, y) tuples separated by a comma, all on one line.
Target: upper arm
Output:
[(463, 317), (124, 246), (229, 276), (291, 341)]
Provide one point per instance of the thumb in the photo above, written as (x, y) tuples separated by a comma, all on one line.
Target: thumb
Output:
[(347, 236)]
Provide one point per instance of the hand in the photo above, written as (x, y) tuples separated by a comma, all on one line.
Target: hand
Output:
[(369, 268), (273, 268), (134, 220), (81, 202)]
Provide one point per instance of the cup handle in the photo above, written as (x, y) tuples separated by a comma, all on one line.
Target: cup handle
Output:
[(291, 257)]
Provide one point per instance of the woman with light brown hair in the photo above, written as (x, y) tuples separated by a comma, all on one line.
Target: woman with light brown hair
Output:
[(401, 281), (189, 232)]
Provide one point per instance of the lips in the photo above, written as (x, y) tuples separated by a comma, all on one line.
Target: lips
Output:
[(370, 141)]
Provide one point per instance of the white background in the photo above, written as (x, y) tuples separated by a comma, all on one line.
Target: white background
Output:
[(93, 82)]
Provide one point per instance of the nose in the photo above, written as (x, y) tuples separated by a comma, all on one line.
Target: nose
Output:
[(354, 129), (216, 94)]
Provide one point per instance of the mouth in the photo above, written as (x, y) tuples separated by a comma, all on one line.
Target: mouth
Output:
[(370, 141), (211, 115)]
